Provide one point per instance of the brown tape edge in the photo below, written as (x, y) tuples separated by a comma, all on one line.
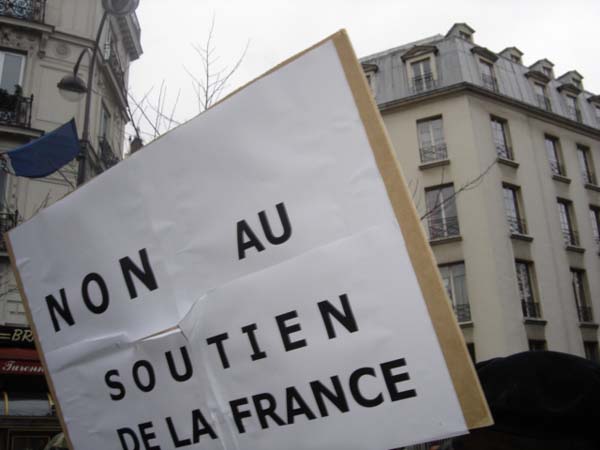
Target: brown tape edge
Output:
[(38, 346), (466, 383)]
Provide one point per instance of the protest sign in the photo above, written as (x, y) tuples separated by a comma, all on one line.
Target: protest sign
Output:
[(274, 239)]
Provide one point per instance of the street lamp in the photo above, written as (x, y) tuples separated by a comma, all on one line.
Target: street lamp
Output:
[(73, 88)]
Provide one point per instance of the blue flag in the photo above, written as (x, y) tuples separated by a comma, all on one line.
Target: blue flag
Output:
[(45, 155)]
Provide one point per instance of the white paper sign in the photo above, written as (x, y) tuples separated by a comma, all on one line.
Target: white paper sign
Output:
[(261, 234)]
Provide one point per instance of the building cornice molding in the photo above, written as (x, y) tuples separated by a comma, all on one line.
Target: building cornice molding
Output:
[(538, 76), (369, 67), (468, 88), (485, 53), (569, 88), (594, 99), (419, 50), (27, 24)]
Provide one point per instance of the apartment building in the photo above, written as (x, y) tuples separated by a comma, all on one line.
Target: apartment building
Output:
[(40, 42), (502, 160)]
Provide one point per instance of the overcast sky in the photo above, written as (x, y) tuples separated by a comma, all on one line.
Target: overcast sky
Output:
[(565, 32)]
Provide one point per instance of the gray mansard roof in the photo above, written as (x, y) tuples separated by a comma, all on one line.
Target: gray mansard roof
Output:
[(456, 62)]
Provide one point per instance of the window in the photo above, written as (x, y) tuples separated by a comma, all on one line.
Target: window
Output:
[(567, 223), (514, 216), (501, 138), (541, 98), (591, 351), (422, 75), (431, 140), (586, 165), (441, 212), (529, 305), (454, 278), (554, 156), (104, 123), (487, 75), (547, 71), (597, 108), (465, 36), (580, 292), (514, 58), (537, 345), (12, 67), (595, 218), (572, 108), (15, 313)]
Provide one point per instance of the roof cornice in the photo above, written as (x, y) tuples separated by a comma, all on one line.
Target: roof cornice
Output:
[(485, 53), (466, 87)]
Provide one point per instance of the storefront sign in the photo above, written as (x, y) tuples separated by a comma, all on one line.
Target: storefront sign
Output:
[(20, 367), (16, 337)]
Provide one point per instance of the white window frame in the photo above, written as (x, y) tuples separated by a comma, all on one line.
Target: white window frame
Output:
[(3, 53)]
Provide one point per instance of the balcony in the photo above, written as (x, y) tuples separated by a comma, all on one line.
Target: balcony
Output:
[(432, 153), (489, 82), (574, 113), (463, 313), (585, 313), (112, 60), (570, 237), (544, 102), (30, 10), (423, 83), (531, 309), (557, 168), (107, 156), (7, 222), (15, 110), (504, 151), (443, 227), (517, 225)]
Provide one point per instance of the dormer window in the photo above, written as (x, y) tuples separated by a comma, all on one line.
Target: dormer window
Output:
[(465, 36), (422, 75), (547, 71), (515, 59), (487, 75), (421, 68), (541, 98), (370, 70), (572, 108)]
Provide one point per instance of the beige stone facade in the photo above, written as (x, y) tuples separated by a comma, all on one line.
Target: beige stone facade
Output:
[(40, 41), (506, 183)]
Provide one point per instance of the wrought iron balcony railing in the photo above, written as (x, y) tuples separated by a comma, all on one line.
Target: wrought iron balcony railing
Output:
[(585, 313), (531, 309), (423, 83), (517, 225), (111, 57), (489, 82), (31, 10), (107, 156), (463, 312), (8, 221), (15, 110), (571, 237), (574, 113), (443, 227), (436, 152), (504, 151), (557, 168), (544, 102)]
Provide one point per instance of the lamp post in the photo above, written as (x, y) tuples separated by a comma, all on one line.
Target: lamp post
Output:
[(72, 87)]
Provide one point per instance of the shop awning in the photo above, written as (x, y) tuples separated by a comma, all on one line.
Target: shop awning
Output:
[(20, 361)]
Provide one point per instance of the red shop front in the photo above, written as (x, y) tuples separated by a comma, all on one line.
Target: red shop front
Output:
[(27, 414)]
